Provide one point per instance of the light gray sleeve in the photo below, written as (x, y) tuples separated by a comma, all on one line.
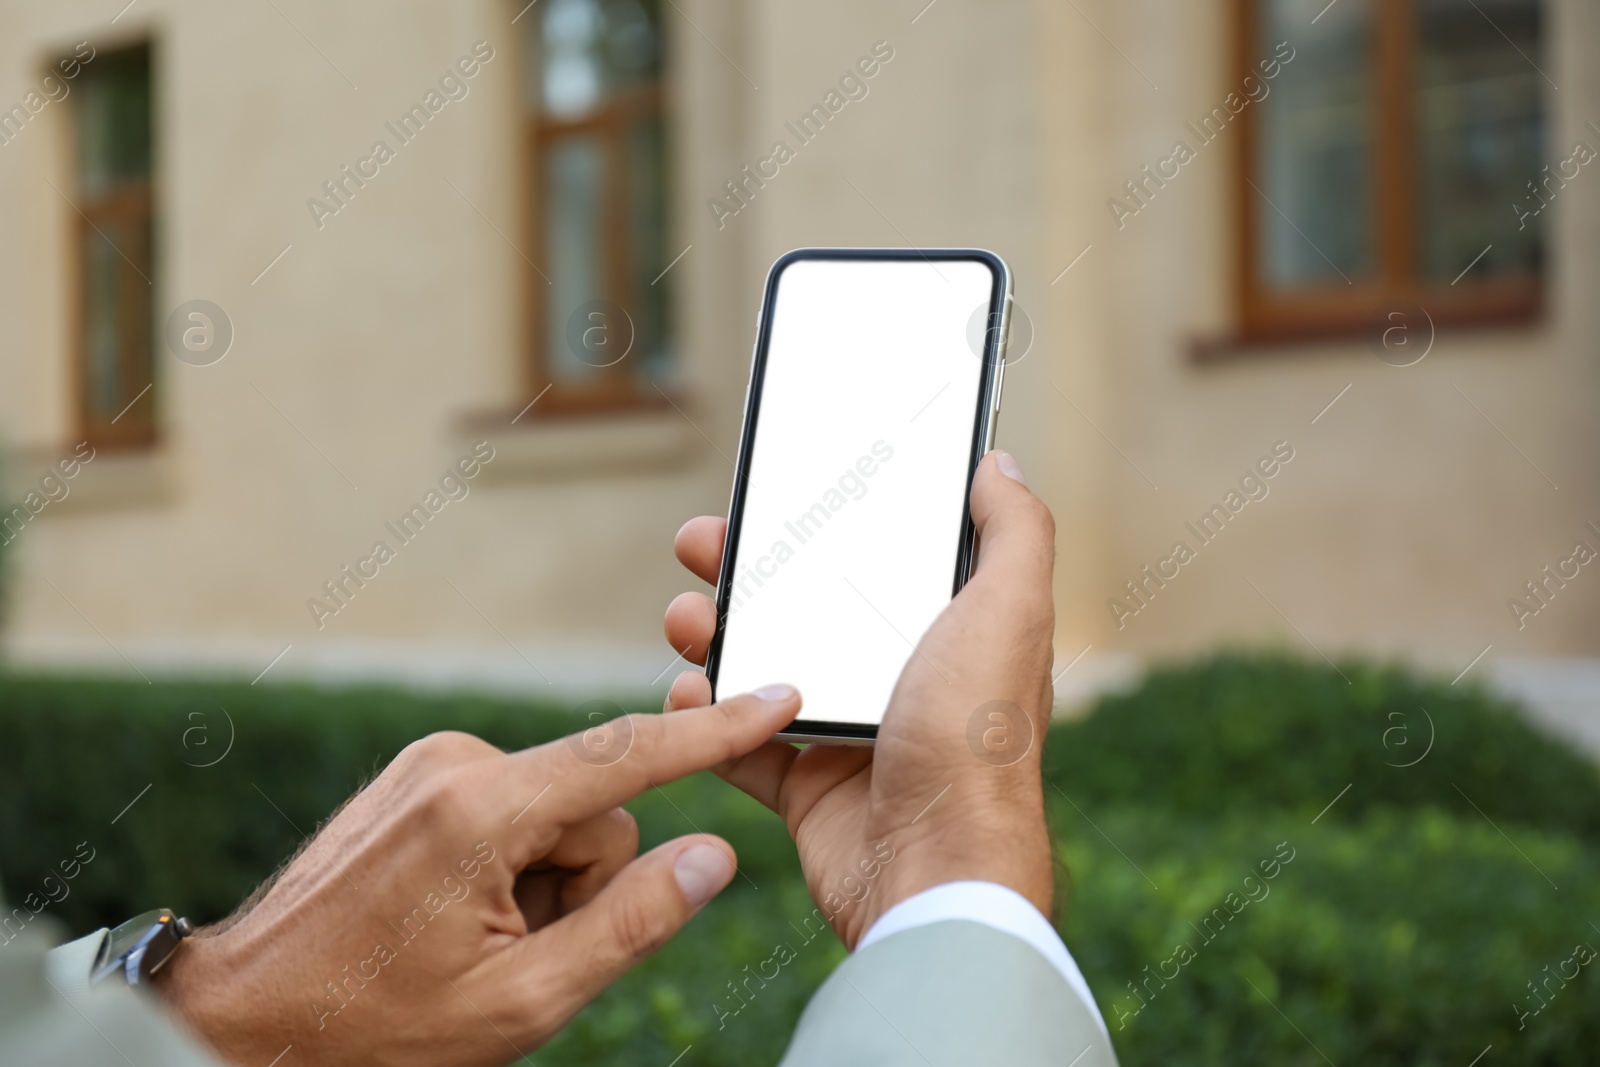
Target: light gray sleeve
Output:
[(50, 1018), (953, 993)]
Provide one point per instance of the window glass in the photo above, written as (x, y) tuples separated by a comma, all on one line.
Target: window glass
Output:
[(593, 49), (652, 309), (103, 385), (1315, 150), (573, 177), (1481, 137), (114, 121), (601, 158), (114, 141)]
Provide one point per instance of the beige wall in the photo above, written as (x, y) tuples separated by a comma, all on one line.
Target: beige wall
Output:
[(1406, 520), (1402, 525)]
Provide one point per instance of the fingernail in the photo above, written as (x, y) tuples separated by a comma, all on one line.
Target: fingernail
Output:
[(774, 693), (1008, 466), (702, 871)]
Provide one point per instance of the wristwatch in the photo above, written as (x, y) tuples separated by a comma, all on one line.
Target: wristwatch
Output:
[(139, 947)]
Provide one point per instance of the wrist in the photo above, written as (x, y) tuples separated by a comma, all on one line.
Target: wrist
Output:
[(203, 985), (1020, 861)]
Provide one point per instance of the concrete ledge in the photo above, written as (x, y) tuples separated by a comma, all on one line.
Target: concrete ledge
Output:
[(1083, 677), (134, 478), (557, 670), (572, 447), (1561, 695)]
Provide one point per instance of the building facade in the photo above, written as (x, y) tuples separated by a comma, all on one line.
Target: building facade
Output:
[(288, 272)]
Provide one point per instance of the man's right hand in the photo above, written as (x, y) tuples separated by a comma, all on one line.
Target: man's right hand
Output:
[(952, 791), (464, 906)]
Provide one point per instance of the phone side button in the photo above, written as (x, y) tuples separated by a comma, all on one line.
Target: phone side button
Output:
[(999, 385)]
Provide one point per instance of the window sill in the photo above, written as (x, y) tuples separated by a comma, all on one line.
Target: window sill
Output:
[(112, 480), (621, 443), (1296, 337)]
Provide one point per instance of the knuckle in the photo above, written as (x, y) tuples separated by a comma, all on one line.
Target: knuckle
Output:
[(447, 802), (605, 745), (733, 722), (731, 712), (634, 929), (529, 1009), (544, 1022), (1047, 519), (627, 827), (602, 742), (641, 729), (447, 748), (1040, 515)]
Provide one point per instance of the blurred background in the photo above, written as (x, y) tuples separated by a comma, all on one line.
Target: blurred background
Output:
[(275, 276)]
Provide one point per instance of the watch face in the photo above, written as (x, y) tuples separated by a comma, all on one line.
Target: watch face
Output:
[(144, 941), (125, 938)]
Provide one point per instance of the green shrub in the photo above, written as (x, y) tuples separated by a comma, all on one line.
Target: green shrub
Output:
[(77, 753), (1402, 931), (7, 553), (1239, 733), (1412, 916), (1402, 937)]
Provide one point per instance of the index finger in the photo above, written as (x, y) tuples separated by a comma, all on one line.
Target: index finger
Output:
[(569, 782)]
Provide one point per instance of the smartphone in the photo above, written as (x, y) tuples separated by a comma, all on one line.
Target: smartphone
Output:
[(874, 391)]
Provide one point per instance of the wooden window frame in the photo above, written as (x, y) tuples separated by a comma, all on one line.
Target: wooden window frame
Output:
[(1339, 311), (618, 387), (127, 206)]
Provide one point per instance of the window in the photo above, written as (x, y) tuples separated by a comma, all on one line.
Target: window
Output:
[(114, 251), (1393, 162), (601, 314)]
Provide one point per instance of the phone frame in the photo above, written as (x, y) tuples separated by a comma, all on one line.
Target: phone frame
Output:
[(985, 418)]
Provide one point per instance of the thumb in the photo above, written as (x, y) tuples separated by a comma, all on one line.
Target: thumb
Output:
[(573, 960), (1016, 532)]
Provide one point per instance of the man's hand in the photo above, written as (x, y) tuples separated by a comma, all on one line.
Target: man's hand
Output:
[(952, 791), (462, 908)]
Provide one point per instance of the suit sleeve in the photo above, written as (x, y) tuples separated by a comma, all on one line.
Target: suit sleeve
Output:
[(952, 992), (49, 1017)]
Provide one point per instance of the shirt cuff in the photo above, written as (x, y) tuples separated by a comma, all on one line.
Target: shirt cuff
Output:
[(994, 906), (68, 967)]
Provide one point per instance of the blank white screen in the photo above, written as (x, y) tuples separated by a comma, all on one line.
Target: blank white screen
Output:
[(857, 479)]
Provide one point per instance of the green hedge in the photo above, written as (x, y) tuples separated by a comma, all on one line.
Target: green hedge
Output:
[(1238, 733), (1402, 931)]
